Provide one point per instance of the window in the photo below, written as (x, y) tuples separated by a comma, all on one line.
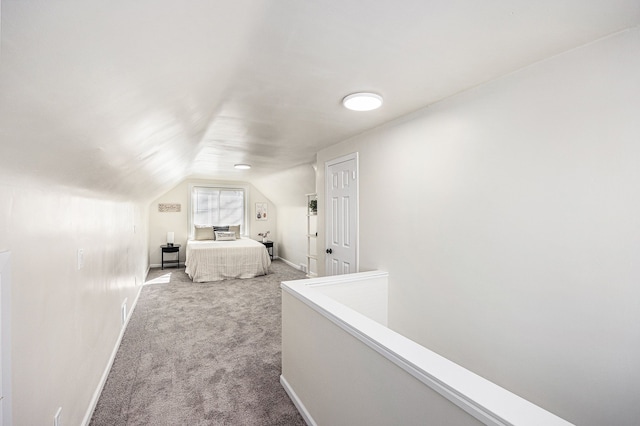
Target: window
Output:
[(217, 206)]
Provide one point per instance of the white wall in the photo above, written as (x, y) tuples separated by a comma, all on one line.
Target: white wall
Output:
[(292, 231), (350, 291), (162, 222), (65, 321), (287, 190), (516, 214), (337, 379)]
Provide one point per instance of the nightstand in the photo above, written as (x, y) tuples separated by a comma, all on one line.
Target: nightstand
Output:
[(269, 246), (171, 249)]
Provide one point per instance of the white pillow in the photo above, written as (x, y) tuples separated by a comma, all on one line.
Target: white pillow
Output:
[(225, 236), (236, 229), (203, 232), (220, 228)]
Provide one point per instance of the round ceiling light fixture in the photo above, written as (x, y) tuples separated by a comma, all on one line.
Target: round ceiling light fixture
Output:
[(362, 101), (242, 166)]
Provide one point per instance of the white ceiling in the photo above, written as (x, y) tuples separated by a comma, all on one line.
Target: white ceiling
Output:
[(130, 97)]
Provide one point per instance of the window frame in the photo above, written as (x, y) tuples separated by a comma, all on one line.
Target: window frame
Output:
[(244, 229)]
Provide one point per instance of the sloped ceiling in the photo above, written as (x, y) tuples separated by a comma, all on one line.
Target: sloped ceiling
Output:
[(130, 97)]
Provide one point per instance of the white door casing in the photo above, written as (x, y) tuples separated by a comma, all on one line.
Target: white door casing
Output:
[(341, 215), (2, 347), (5, 340)]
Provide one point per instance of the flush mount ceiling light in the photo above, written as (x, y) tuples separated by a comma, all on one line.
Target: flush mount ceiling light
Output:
[(362, 101), (242, 166)]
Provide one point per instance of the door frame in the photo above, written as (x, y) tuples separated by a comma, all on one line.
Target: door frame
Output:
[(5, 338), (327, 217)]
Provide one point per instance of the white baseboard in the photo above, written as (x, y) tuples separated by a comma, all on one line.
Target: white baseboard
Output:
[(296, 401), (293, 265), (159, 265), (105, 374)]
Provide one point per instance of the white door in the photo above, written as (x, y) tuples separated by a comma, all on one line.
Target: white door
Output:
[(342, 215)]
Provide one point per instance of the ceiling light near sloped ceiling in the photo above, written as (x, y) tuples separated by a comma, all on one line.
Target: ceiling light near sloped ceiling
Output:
[(242, 166), (362, 101)]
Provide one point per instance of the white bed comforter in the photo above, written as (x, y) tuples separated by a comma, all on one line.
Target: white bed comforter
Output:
[(217, 260)]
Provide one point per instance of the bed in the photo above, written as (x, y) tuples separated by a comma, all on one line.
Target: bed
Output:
[(210, 260)]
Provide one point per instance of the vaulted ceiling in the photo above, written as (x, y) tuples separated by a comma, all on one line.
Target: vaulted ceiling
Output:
[(131, 97)]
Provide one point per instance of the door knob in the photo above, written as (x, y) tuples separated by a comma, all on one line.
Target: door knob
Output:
[(329, 251)]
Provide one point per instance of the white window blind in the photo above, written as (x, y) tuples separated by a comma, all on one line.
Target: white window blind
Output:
[(217, 206)]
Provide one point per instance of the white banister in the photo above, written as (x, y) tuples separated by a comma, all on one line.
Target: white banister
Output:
[(483, 400)]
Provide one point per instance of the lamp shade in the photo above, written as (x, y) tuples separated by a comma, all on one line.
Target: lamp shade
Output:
[(169, 237)]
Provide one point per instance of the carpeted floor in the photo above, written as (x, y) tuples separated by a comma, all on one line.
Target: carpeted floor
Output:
[(201, 354)]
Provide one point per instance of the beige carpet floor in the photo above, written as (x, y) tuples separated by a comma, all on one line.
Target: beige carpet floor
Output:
[(201, 354)]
